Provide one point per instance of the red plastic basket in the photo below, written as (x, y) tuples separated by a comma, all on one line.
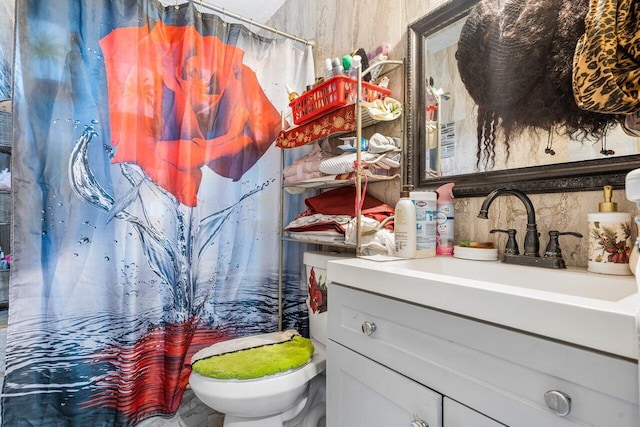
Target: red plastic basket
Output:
[(334, 93)]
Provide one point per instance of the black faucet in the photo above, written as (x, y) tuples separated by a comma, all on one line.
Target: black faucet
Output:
[(531, 238), (552, 257)]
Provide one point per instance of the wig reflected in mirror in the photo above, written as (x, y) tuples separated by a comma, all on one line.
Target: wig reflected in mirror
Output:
[(516, 63)]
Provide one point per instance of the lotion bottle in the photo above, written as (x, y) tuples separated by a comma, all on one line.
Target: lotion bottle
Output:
[(328, 69), (336, 67), (355, 64), (609, 238), (445, 219), (425, 205), (404, 228)]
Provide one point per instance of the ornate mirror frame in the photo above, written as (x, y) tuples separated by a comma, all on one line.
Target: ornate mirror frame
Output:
[(586, 175)]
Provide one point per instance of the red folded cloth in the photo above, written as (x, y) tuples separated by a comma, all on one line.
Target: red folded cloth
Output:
[(341, 201)]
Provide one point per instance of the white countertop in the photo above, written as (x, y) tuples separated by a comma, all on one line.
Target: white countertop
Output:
[(571, 305)]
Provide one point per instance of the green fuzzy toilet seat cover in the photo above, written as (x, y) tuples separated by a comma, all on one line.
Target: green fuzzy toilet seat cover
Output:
[(257, 362)]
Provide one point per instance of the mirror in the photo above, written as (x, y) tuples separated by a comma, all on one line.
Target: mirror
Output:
[(575, 165)]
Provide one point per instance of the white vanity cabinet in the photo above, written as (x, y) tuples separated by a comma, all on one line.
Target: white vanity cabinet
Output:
[(369, 394), (394, 363), (458, 415)]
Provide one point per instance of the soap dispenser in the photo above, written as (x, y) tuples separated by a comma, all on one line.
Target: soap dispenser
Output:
[(609, 238)]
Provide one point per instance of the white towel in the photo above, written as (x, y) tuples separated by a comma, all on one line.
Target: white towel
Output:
[(384, 109), (344, 163), (379, 143)]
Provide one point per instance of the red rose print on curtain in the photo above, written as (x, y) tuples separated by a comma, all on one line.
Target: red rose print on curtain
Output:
[(178, 101), (159, 239)]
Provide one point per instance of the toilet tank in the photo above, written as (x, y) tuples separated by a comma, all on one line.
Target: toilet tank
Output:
[(316, 275)]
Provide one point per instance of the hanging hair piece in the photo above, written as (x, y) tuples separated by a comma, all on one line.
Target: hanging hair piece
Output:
[(486, 131), (549, 149), (516, 64), (604, 150)]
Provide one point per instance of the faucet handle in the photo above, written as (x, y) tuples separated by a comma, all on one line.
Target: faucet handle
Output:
[(553, 247), (512, 245)]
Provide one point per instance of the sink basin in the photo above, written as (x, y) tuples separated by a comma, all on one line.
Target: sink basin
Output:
[(571, 305), (570, 281)]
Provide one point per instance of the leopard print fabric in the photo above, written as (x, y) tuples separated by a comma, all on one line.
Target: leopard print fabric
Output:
[(606, 64)]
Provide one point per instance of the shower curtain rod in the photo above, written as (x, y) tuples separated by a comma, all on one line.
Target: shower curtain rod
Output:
[(250, 21)]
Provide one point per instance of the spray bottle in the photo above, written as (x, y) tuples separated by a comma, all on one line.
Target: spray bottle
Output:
[(445, 219)]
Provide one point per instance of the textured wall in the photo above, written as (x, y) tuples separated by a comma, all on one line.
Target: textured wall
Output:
[(557, 211), (341, 26)]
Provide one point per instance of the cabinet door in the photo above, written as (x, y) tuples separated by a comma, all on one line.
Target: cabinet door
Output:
[(361, 392), (499, 372), (457, 415)]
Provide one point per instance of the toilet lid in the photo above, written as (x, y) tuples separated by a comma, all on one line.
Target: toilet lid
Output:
[(256, 362)]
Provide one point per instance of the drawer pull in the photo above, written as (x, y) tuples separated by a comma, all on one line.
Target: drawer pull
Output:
[(417, 422), (368, 328), (558, 402)]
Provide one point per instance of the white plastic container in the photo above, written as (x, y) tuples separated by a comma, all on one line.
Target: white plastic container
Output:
[(601, 260), (316, 272), (426, 211), (328, 69), (405, 227), (355, 64), (609, 238)]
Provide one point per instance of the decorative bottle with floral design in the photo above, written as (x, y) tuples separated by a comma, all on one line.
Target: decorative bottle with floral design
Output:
[(609, 238)]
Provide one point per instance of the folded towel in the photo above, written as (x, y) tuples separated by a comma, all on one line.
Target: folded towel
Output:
[(301, 168), (386, 161), (318, 222), (339, 201), (379, 143), (328, 236), (344, 163), (302, 177), (383, 109), (374, 237)]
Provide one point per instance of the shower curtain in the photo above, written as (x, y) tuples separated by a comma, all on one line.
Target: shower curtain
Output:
[(146, 209)]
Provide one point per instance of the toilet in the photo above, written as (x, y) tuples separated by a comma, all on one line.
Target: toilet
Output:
[(295, 398)]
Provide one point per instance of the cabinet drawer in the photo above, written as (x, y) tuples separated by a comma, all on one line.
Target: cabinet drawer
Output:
[(457, 415), (365, 393), (499, 372)]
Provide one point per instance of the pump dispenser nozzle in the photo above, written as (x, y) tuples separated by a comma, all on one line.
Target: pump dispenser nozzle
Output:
[(607, 205)]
